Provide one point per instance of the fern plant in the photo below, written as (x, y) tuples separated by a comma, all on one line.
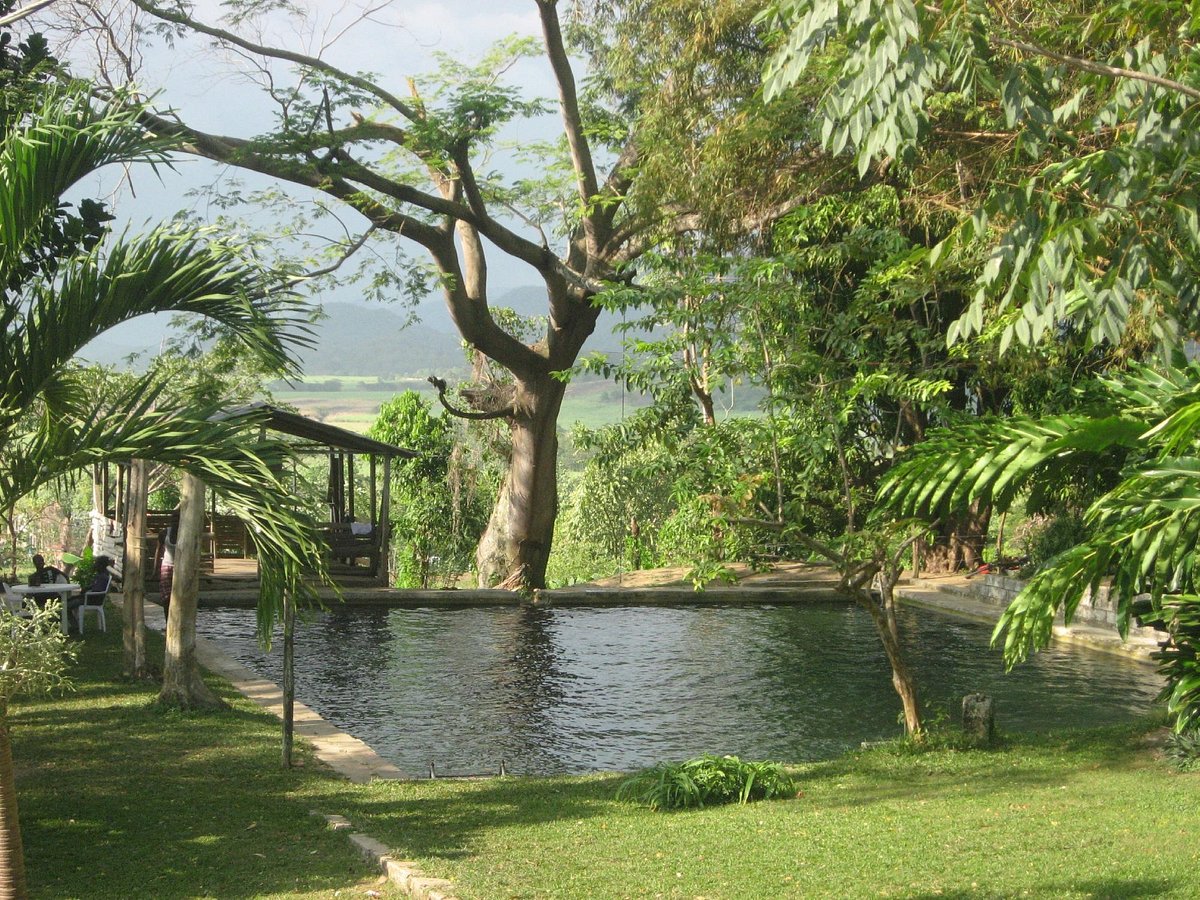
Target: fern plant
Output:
[(707, 781)]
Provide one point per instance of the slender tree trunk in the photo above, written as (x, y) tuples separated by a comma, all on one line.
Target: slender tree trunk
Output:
[(883, 613), (182, 684), (134, 573), (12, 853), (289, 676), (11, 522), (902, 679), (515, 548)]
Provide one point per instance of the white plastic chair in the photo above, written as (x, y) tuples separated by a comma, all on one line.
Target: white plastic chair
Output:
[(94, 601), (14, 601)]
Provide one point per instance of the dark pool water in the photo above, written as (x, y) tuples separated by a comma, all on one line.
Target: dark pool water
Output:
[(584, 689)]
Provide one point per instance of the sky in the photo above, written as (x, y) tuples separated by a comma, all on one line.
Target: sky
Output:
[(207, 86)]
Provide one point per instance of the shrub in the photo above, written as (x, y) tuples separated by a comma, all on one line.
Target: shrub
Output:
[(707, 780), (1183, 749), (1050, 537)]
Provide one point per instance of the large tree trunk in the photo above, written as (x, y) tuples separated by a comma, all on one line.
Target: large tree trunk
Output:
[(515, 547), (12, 853), (134, 573), (960, 541), (182, 685)]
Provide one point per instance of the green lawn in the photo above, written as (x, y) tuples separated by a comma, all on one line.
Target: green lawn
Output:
[(121, 801)]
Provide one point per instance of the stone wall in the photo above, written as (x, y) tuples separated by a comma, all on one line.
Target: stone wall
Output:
[(1100, 609)]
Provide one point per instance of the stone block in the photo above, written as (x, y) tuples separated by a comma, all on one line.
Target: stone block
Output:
[(979, 719), (370, 848)]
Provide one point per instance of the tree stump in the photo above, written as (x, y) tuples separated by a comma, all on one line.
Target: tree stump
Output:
[(979, 719)]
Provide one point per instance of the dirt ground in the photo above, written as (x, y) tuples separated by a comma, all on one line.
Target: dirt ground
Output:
[(780, 574)]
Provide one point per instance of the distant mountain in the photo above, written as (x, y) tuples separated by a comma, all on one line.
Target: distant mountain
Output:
[(364, 339), (355, 339), (527, 300)]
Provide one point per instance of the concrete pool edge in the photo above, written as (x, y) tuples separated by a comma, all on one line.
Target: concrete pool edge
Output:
[(955, 595)]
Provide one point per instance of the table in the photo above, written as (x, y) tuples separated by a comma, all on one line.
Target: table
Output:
[(48, 590)]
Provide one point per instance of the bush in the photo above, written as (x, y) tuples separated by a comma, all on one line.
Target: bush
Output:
[(1046, 537), (1183, 749), (707, 780)]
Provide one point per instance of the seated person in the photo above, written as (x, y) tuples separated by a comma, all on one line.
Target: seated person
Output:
[(44, 574), (100, 584)]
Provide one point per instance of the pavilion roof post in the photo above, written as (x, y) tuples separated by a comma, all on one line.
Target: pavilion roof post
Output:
[(372, 498), (385, 522)]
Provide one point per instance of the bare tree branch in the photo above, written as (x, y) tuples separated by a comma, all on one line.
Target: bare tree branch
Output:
[(348, 252), (1087, 65), (438, 383), (24, 12), (581, 154), (301, 59)]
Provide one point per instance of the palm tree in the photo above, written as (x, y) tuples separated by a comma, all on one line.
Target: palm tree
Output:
[(61, 285), (1143, 532)]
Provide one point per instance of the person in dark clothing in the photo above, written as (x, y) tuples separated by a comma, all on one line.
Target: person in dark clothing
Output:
[(101, 581), (44, 574)]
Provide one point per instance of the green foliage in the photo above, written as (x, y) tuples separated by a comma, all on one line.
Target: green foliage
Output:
[(1183, 749), (1095, 109), (34, 654), (1053, 536), (85, 566), (1141, 534), (439, 497), (707, 781)]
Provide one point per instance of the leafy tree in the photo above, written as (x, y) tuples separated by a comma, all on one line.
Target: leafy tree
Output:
[(1090, 238), (438, 506), (418, 167), (1094, 228)]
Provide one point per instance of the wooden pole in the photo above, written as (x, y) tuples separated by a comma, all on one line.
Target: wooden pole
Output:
[(133, 572), (373, 499), (289, 676), (385, 522), (350, 484)]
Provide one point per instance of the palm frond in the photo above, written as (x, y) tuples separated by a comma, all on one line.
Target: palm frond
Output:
[(62, 142), (992, 460), (225, 452)]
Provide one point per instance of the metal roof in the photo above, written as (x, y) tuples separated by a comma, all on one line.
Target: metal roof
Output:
[(319, 433)]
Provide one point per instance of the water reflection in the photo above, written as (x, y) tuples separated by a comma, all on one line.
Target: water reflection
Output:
[(583, 689)]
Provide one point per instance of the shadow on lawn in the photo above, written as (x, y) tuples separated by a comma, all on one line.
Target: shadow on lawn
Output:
[(443, 825), (119, 799), (1037, 761), (1099, 887)]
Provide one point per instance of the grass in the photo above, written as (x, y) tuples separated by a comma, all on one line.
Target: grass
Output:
[(119, 800), (1088, 815)]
